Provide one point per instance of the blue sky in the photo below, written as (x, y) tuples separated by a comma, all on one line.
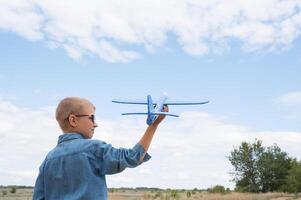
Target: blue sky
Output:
[(241, 86), (247, 65)]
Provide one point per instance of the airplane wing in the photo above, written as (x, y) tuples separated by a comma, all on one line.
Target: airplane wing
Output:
[(184, 102), (154, 103), (134, 113), (152, 113), (130, 102), (164, 113)]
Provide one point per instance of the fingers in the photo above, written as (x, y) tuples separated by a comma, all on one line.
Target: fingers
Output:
[(161, 117), (165, 108)]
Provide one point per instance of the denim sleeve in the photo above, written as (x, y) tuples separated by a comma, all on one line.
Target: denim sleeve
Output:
[(115, 160), (39, 193)]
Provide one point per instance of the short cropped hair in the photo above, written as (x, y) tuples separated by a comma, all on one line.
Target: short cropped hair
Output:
[(68, 106)]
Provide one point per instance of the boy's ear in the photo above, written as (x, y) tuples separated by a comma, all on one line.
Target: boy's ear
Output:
[(72, 120)]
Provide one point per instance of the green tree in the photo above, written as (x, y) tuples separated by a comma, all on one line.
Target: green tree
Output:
[(259, 169), (293, 179), (244, 159), (273, 167)]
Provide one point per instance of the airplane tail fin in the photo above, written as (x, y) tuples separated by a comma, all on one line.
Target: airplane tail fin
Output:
[(150, 105)]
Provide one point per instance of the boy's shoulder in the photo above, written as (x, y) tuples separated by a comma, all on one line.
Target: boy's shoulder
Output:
[(74, 147), (96, 141)]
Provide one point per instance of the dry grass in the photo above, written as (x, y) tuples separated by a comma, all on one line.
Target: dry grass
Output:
[(21, 194), (26, 194), (247, 196)]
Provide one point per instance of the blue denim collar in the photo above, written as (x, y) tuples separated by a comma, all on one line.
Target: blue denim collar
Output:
[(69, 136)]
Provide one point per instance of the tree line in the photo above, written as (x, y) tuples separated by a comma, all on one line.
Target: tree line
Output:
[(264, 169)]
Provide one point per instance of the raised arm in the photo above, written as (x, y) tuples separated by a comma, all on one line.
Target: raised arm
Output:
[(146, 139), (114, 160)]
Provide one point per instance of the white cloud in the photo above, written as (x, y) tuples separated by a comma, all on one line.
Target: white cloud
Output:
[(23, 173), (291, 99), (22, 17), (187, 152), (112, 29), (22, 146)]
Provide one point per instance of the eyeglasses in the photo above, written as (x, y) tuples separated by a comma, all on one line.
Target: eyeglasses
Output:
[(92, 117)]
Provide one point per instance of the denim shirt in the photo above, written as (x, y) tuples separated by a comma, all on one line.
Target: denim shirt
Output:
[(76, 168)]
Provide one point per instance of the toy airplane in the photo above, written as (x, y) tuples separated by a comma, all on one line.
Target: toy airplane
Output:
[(154, 109)]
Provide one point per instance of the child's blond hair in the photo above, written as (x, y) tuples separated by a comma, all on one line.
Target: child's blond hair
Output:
[(68, 106)]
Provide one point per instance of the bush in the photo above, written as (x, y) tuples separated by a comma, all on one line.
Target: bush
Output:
[(4, 192), (217, 189), (188, 194), (13, 190), (174, 194), (194, 190), (112, 190)]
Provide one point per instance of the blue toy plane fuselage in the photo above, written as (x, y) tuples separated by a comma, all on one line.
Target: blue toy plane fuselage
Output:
[(154, 109)]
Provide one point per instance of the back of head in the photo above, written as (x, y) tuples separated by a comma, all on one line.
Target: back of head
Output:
[(68, 106)]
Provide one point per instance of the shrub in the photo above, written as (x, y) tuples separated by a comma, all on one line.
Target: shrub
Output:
[(174, 194), (188, 194), (13, 190), (217, 189), (112, 190)]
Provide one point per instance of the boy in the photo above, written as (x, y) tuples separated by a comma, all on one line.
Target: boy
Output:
[(76, 167)]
